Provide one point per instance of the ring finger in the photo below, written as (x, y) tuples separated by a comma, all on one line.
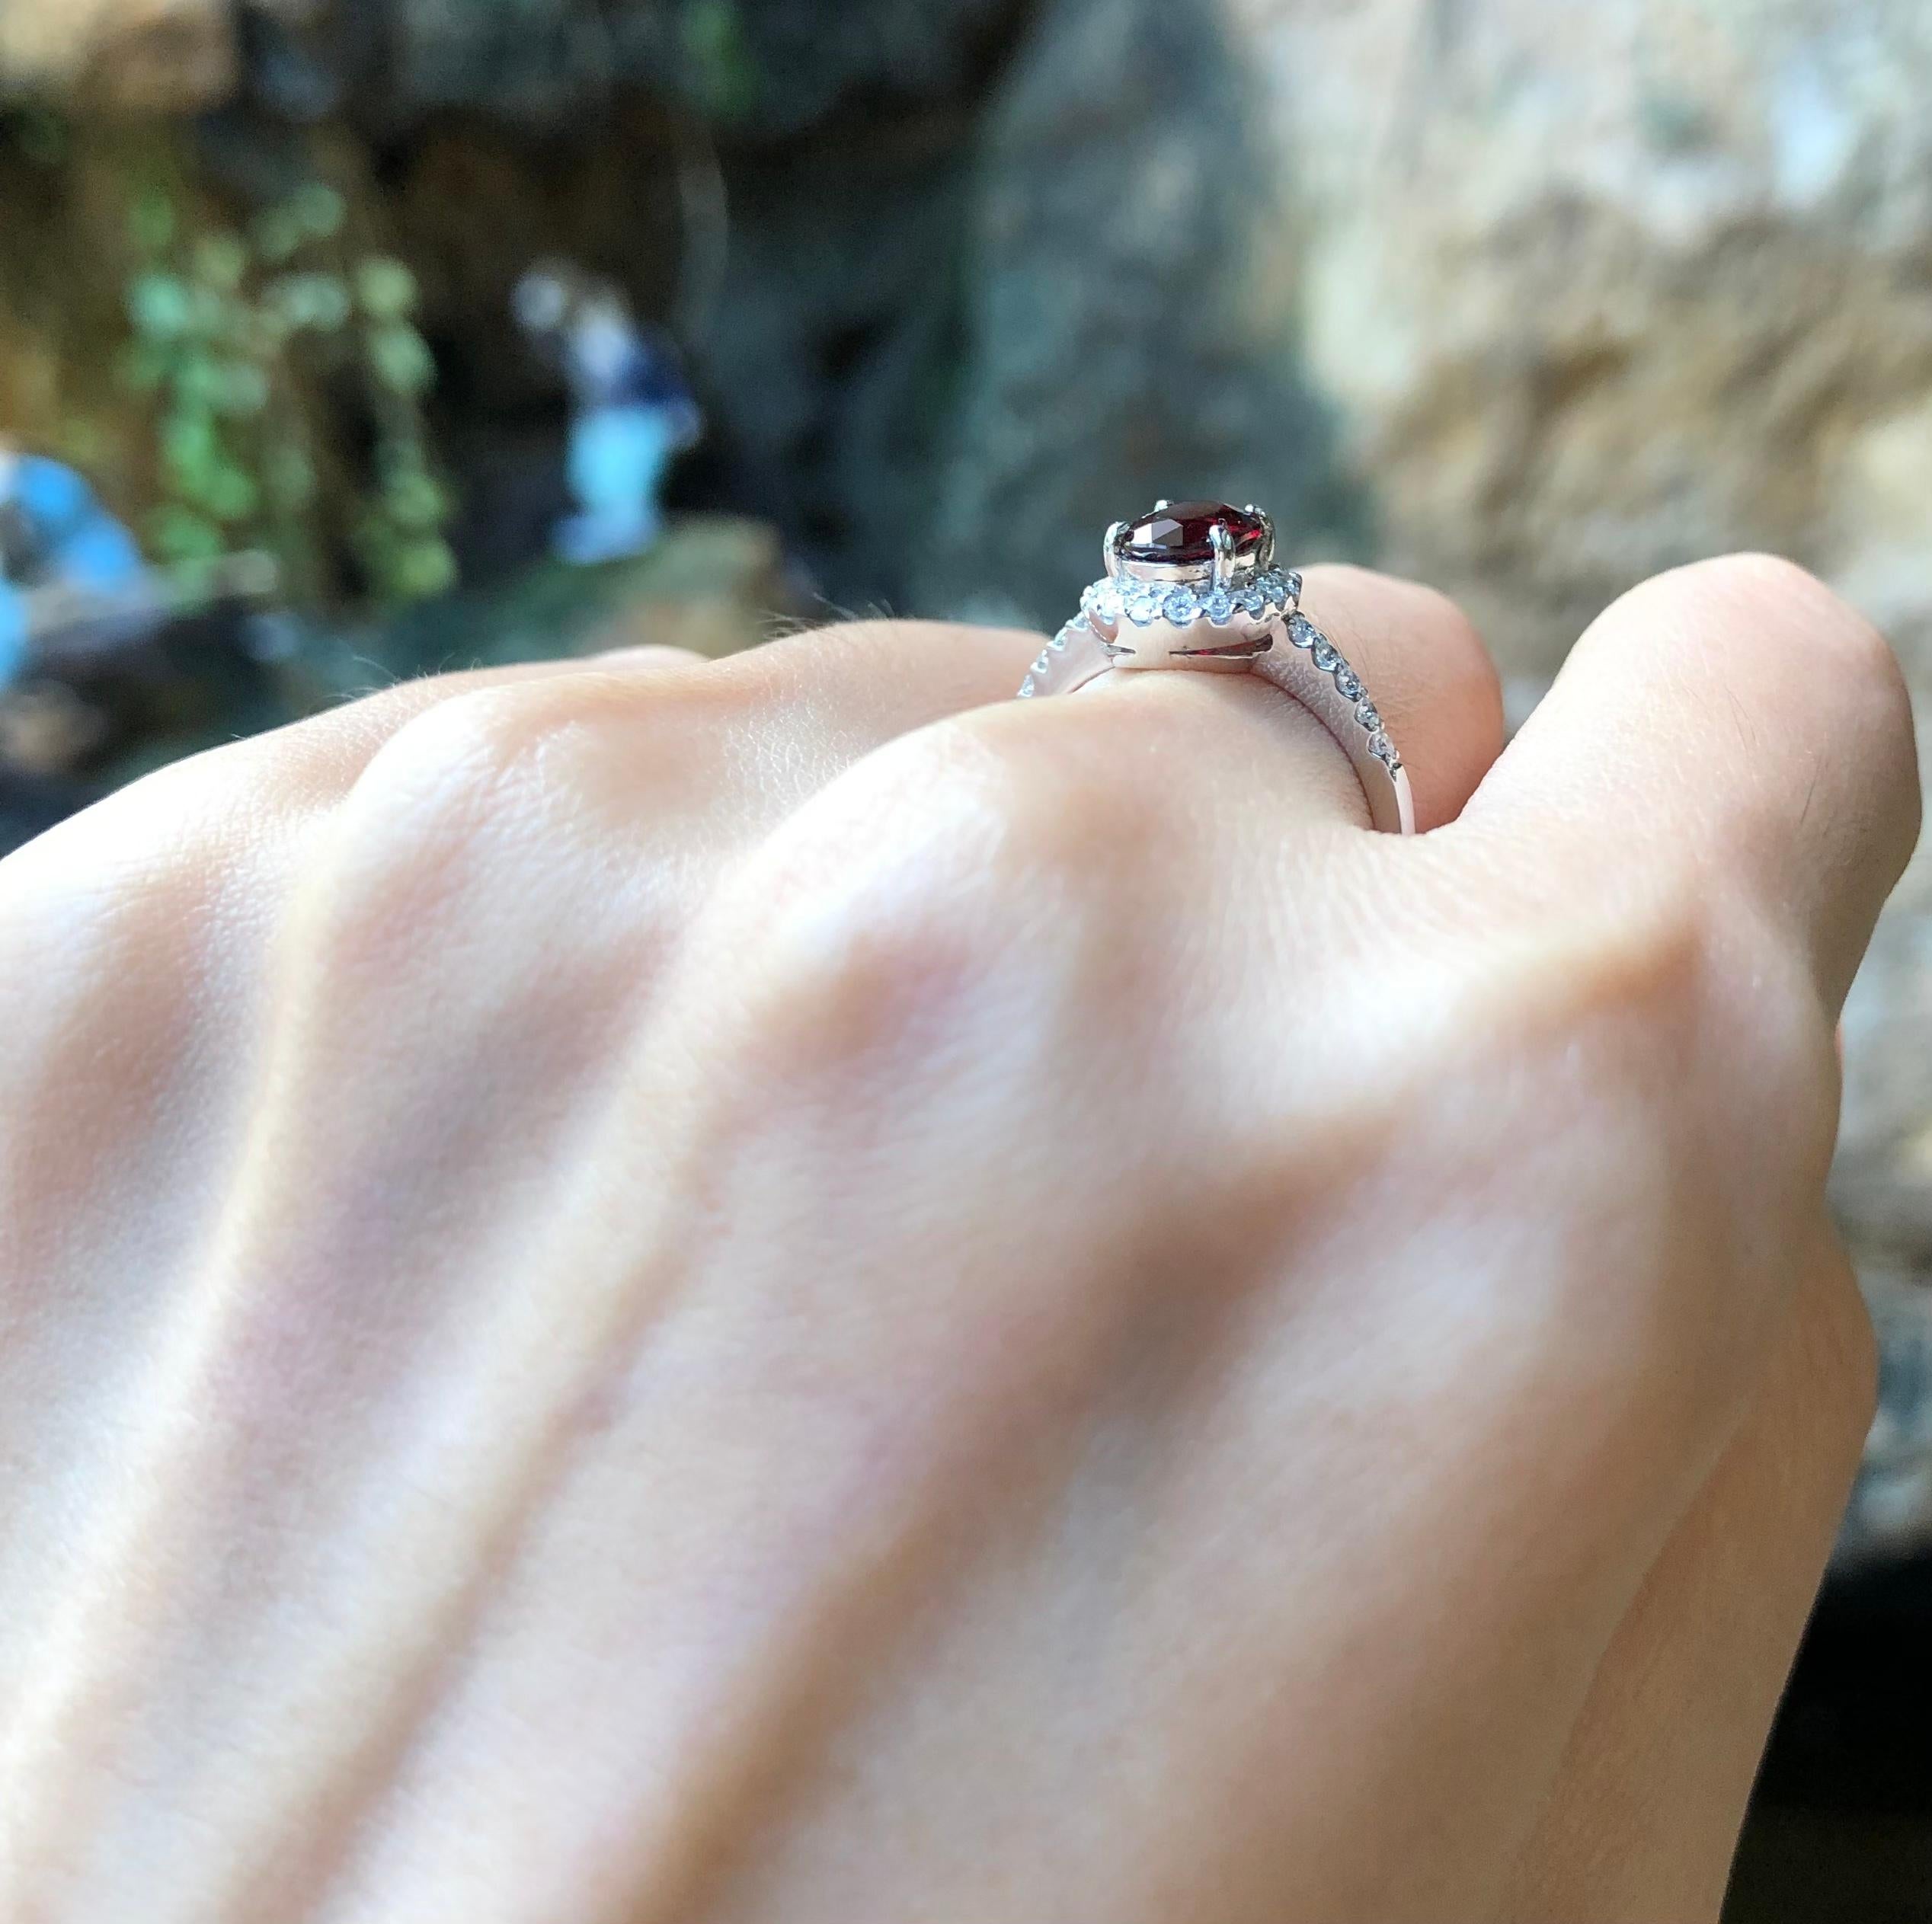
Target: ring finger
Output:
[(1417, 655)]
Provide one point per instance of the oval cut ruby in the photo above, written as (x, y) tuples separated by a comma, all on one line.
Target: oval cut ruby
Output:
[(1181, 533)]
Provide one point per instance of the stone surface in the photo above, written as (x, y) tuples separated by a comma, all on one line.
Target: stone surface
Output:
[(1891, 1515), (1595, 290), (766, 67), (143, 56), (1127, 321)]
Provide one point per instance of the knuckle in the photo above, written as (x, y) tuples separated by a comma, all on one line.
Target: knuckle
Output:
[(447, 757), (414, 824), (1638, 996), (461, 799), (483, 771), (936, 889)]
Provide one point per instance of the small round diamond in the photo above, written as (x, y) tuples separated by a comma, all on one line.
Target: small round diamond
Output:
[(1180, 607), (1303, 632), (1219, 608), (1349, 683), (1253, 601), (1026, 688), (1381, 747), (1143, 605), (1104, 600), (1365, 714), (1328, 657)]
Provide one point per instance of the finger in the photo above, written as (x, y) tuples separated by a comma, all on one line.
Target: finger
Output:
[(1732, 727), (1419, 657), (1644, 1814), (843, 691)]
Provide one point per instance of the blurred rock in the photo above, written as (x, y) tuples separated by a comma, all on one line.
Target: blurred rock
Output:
[(164, 56), (768, 67), (1598, 290), (1128, 331), (1891, 1515), (1883, 1187), (47, 729)]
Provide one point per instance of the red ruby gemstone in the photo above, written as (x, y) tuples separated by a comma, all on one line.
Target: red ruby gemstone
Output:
[(1182, 533)]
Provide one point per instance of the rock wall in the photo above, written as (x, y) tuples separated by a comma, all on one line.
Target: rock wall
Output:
[(142, 55)]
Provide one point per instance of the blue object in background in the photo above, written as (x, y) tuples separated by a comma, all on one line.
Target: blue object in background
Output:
[(634, 415), (58, 538), (73, 542), (14, 651), (617, 463)]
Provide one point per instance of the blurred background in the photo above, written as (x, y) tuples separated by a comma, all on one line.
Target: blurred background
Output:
[(345, 340)]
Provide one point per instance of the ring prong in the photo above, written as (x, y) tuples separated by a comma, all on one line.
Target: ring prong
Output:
[(1267, 540), (1163, 505), (1111, 549), (1223, 543)]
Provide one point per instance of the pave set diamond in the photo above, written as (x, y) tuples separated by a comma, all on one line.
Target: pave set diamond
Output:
[(1303, 634), (1262, 597)]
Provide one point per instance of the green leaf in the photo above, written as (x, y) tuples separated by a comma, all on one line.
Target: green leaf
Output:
[(242, 391), (317, 303), (414, 500), (178, 534), (189, 446), (220, 262), (319, 209), (721, 72), (277, 236), (142, 366), (200, 383), (291, 478), (210, 311), (419, 570), (232, 495), (401, 360), (195, 576), (386, 288), (161, 306)]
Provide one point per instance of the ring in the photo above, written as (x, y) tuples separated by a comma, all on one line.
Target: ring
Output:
[(1193, 585)]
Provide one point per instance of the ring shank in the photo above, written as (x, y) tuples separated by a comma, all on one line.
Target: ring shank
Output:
[(1078, 655), (1391, 800)]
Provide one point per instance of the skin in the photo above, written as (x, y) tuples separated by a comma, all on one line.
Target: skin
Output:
[(782, 1289)]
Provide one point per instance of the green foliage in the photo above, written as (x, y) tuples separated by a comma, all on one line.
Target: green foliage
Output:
[(223, 327), (721, 72)]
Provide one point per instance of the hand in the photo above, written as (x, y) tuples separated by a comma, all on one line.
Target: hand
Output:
[(663, 1291)]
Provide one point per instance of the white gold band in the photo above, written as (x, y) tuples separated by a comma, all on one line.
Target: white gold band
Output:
[(1276, 640)]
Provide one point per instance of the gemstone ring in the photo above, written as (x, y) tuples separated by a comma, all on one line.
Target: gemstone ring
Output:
[(1193, 585)]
